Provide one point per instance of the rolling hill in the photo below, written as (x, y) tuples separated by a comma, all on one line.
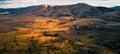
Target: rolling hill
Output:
[(79, 10), (66, 29), (116, 7)]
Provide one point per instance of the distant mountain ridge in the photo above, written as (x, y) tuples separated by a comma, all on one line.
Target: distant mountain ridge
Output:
[(116, 7), (79, 10)]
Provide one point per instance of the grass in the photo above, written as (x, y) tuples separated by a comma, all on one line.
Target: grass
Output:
[(81, 36)]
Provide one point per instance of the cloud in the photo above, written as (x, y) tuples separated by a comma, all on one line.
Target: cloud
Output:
[(17, 3), (16, 0), (107, 3), (24, 3), (3, 2)]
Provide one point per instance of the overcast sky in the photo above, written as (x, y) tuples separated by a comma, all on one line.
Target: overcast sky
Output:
[(24, 3)]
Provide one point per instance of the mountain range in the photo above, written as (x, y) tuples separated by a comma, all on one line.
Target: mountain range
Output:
[(116, 7), (79, 10)]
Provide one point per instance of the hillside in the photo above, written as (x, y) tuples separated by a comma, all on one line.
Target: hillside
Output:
[(116, 7), (67, 29), (79, 10)]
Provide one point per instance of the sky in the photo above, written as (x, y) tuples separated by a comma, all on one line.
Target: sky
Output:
[(25, 3)]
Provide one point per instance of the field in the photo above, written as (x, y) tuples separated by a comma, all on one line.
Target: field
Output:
[(59, 35)]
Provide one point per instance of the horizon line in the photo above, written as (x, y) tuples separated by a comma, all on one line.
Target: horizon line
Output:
[(54, 5)]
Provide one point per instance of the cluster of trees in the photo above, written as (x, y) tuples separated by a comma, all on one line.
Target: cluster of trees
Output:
[(50, 33), (96, 28), (103, 35), (62, 45)]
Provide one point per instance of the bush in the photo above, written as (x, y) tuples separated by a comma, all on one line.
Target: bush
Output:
[(50, 34)]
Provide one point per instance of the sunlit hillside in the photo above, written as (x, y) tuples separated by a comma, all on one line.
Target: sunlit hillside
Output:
[(67, 29), (62, 35)]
